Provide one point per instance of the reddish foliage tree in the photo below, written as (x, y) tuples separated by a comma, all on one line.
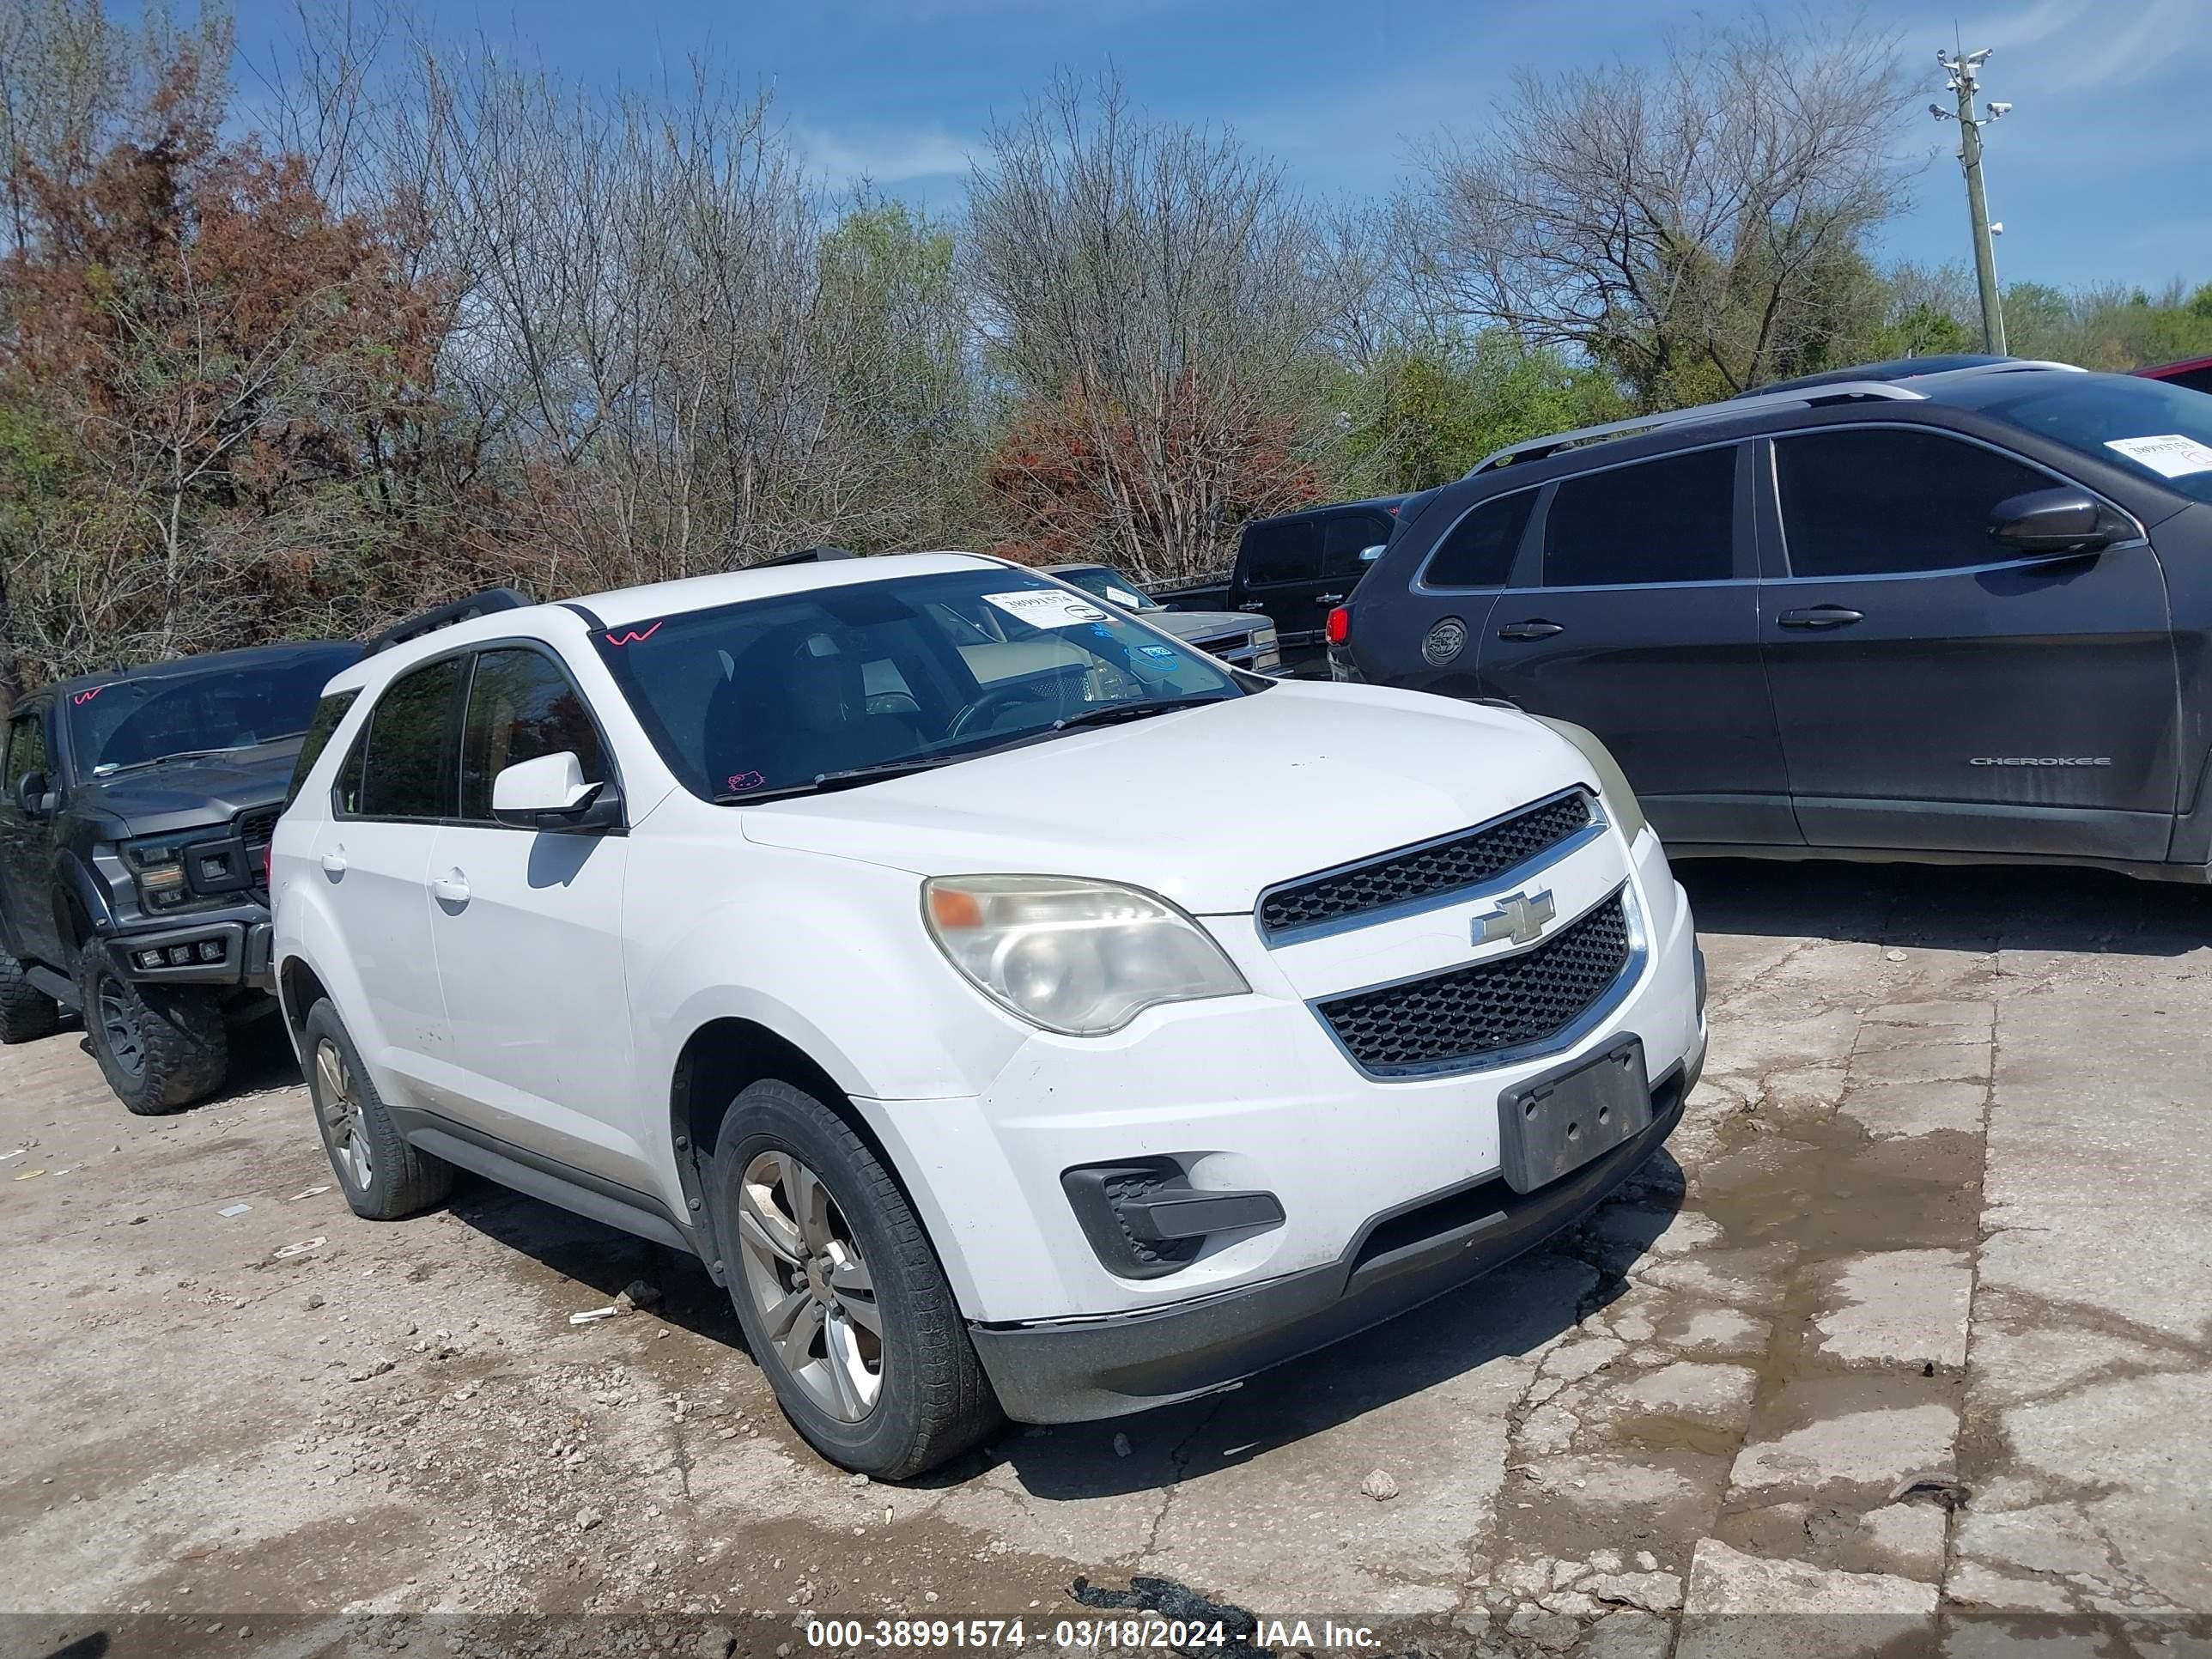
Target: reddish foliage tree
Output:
[(238, 367), (1078, 480)]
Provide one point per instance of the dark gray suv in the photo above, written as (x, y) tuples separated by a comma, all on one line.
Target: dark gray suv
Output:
[(1963, 615)]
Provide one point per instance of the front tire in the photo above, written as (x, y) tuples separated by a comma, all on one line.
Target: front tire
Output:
[(27, 1013), (841, 1299), (384, 1178), (161, 1048)]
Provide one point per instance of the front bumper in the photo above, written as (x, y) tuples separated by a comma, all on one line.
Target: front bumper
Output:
[(1075, 1371), (1251, 1097), (227, 952)]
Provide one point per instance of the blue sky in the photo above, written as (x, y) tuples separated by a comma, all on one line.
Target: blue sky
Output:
[(2101, 173)]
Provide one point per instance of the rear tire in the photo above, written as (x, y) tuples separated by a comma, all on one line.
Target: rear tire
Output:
[(27, 1013), (384, 1178), (161, 1048), (818, 1244)]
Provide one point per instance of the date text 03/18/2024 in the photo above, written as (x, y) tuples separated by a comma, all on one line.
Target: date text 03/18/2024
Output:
[(1079, 1635)]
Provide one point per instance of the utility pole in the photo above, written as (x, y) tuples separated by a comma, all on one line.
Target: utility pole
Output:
[(1966, 74)]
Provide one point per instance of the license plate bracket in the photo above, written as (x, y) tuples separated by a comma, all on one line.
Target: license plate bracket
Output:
[(1551, 1126)]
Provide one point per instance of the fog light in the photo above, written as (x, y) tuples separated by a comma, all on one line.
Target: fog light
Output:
[(211, 949), (179, 955), (150, 958)]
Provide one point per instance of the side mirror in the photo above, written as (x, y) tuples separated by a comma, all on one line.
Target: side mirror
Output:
[(35, 794), (1369, 555), (549, 793), (2063, 520)]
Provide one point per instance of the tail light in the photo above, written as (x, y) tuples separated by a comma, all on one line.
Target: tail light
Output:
[(1338, 629)]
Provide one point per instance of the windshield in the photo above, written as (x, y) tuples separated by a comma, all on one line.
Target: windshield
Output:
[(150, 718), (2162, 429), (774, 695), (1109, 583)]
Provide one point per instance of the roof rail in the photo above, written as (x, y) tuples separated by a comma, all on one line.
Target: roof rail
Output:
[(808, 555), (2009, 366), (461, 610), (1840, 392)]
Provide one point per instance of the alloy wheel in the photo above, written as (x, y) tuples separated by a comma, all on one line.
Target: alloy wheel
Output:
[(341, 1120), (811, 1285), (119, 1024)]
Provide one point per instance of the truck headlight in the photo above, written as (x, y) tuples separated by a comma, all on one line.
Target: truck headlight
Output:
[(157, 866), (1079, 957), (1266, 650), (1621, 805)]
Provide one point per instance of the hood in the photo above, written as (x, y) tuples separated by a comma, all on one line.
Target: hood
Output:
[(190, 794), (1207, 806), (1205, 625)]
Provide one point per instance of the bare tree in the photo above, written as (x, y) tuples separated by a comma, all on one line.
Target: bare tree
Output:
[(1698, 226), (1154, 287)]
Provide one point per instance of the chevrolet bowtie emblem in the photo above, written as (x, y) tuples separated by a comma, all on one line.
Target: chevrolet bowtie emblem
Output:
[(1521, 918)]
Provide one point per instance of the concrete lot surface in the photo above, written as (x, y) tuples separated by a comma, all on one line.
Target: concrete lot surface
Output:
[(1905, 1347)]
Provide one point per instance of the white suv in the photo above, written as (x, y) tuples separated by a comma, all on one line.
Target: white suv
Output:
[(1013, 1006)]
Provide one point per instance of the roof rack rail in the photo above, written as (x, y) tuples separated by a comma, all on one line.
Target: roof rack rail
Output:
[(1840, 392), (461, 610), (2011, 365), (808, 555)]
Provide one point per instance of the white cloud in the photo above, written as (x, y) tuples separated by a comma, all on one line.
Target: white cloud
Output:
[(881, 157)]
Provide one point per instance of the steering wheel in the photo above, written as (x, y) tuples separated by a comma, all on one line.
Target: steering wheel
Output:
[(994, 701)]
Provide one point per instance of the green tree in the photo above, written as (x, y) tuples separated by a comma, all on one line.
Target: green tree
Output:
[(1421, 416)]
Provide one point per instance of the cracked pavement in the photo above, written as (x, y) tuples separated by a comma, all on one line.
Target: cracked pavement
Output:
[(1904, 1342)]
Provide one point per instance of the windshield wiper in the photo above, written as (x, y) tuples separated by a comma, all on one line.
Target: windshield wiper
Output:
[(851, 777), (1107, 714), (191, 754)]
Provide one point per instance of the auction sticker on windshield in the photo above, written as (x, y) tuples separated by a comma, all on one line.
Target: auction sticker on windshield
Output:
[(2171, 455), (1046, 607)]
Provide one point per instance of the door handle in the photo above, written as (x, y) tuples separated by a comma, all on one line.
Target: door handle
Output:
[(452, 887), (1329, 598), (334, 862), (1253, 604), (1536, 628), (1821, 616)]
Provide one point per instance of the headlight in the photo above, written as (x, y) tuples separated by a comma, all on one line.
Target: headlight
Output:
[(1081, 958), (1267, 649), (157, 864), (1620, 800)]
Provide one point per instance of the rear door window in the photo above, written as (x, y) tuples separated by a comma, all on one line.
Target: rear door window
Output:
[(410, 758), (1886, 500), (522, 706), (1478, 551), (329, 713), (1670, 520), (1286, 551), (1348, 535)]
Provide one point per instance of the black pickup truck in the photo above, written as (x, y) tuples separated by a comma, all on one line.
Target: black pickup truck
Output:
[(1296, 568), (134, 837)]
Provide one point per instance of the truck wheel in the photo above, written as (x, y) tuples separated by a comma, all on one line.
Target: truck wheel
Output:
[(161, 1046), (383, 1177), (27, 1013), (841, 1299)]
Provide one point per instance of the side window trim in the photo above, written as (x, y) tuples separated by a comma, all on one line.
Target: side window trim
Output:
[(545, 649), (1531, 525), (1770, 489)]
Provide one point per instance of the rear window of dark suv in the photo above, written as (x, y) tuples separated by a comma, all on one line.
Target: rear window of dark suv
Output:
[(2162, 430)]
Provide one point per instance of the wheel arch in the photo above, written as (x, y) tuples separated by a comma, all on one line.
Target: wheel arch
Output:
[(718, 1062)]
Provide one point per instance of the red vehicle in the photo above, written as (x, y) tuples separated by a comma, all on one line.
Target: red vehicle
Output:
[(2195, 373)]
